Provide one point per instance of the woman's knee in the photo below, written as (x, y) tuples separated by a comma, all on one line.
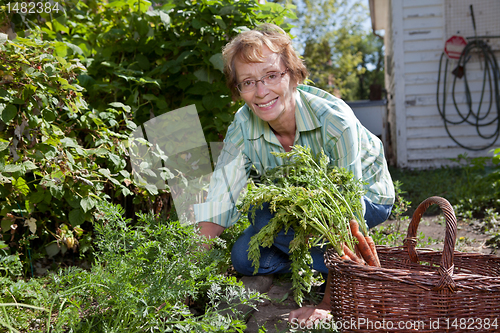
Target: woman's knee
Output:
[(376, 214), (239, 254)]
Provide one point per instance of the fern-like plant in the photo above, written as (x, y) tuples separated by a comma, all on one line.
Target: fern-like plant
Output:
[(311, 198)]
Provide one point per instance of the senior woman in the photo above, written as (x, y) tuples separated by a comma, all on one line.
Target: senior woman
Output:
[(263, 69)]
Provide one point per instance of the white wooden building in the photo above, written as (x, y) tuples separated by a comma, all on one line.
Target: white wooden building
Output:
[(415, 32)]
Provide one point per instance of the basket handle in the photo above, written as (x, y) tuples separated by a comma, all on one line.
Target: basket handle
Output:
[(446, 265)]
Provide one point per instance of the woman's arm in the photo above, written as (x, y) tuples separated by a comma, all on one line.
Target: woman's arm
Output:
[(210, 230)]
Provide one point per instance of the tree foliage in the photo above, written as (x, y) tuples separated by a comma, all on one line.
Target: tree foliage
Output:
[(343, 57), (157, 58)]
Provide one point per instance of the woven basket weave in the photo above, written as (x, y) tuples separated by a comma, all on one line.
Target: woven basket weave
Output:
[(417, 290)]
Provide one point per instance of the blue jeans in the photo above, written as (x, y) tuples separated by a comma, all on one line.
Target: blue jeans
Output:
[(275, 259)]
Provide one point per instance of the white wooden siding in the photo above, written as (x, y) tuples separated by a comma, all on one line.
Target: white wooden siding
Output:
[(414, 108), (424, 34), (415, 34), (399, 120), (390, 145)]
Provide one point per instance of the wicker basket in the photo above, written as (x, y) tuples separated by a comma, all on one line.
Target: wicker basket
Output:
[(417, 290)]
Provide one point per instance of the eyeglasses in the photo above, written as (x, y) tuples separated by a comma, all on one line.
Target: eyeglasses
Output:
[(269, 79)]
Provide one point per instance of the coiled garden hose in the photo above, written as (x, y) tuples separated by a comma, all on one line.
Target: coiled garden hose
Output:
[(491, 80)]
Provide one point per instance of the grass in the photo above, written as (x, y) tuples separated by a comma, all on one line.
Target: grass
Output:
[(471, 188)]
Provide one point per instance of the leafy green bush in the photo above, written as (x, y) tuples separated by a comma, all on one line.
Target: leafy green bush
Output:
[(480, 187), (58, 156), (10, 265), (163, 57), (149, 276), (70, 100)]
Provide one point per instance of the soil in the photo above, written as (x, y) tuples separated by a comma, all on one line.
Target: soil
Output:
[(273, 313)]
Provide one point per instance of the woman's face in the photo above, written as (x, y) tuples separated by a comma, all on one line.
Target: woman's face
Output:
[(268, 102)]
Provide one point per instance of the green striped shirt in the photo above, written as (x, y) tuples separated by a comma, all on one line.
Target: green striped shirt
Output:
[(324, 122)]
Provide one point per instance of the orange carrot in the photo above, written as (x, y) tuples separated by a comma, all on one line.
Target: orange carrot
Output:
[(356, 250), (364, 249), (372, 246), (351, 255)]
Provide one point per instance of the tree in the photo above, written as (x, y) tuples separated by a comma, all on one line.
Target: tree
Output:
[(341, 53)]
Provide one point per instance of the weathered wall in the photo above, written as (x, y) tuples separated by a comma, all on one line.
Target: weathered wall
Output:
[(415, 35)]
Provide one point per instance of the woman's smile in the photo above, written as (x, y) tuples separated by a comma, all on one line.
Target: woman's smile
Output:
[(269, 105)]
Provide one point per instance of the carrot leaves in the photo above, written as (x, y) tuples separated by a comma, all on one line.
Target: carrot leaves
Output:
[(313, 199)]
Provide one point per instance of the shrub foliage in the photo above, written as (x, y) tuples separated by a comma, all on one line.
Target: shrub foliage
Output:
[(75, 85)]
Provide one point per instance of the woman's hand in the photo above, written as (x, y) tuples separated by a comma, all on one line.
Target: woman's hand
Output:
[(307, 316), (209, 230)]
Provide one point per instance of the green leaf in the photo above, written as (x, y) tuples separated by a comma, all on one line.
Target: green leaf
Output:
[(105, 172), (21, 185), (5, 224), (221, 23), (143, 61), (28, 91), (18, 101), (48, 115), (38, 196), (203, 75), (74, 48), (52, 249), (72, 199), (8, 113), (12, 168), (196, 24), (29, 165), (81, 152), (4, 145), (125, 173), (115, 159), (149, 97), (199, 88), (211, 102), (61, 49), (69, 142), (165, 19), (217, 61), (76, 217), (125, 191), (48, 150), (57, 191), (152, 189), (87, 204)]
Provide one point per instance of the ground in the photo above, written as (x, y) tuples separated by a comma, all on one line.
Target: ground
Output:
[(273, 314)]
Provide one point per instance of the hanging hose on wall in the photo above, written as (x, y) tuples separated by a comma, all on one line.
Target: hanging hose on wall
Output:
[(483, 116)]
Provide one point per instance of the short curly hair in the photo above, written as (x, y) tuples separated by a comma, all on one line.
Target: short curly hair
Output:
[(248, 47)]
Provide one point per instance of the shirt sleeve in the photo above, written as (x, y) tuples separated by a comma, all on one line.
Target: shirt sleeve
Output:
[(344, 150), (227, 181)]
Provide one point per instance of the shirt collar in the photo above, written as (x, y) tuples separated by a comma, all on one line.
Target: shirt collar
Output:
[(305, 119)]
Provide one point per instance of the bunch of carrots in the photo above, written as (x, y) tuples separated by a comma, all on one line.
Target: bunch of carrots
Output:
[(315, 200), (365, 250)]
